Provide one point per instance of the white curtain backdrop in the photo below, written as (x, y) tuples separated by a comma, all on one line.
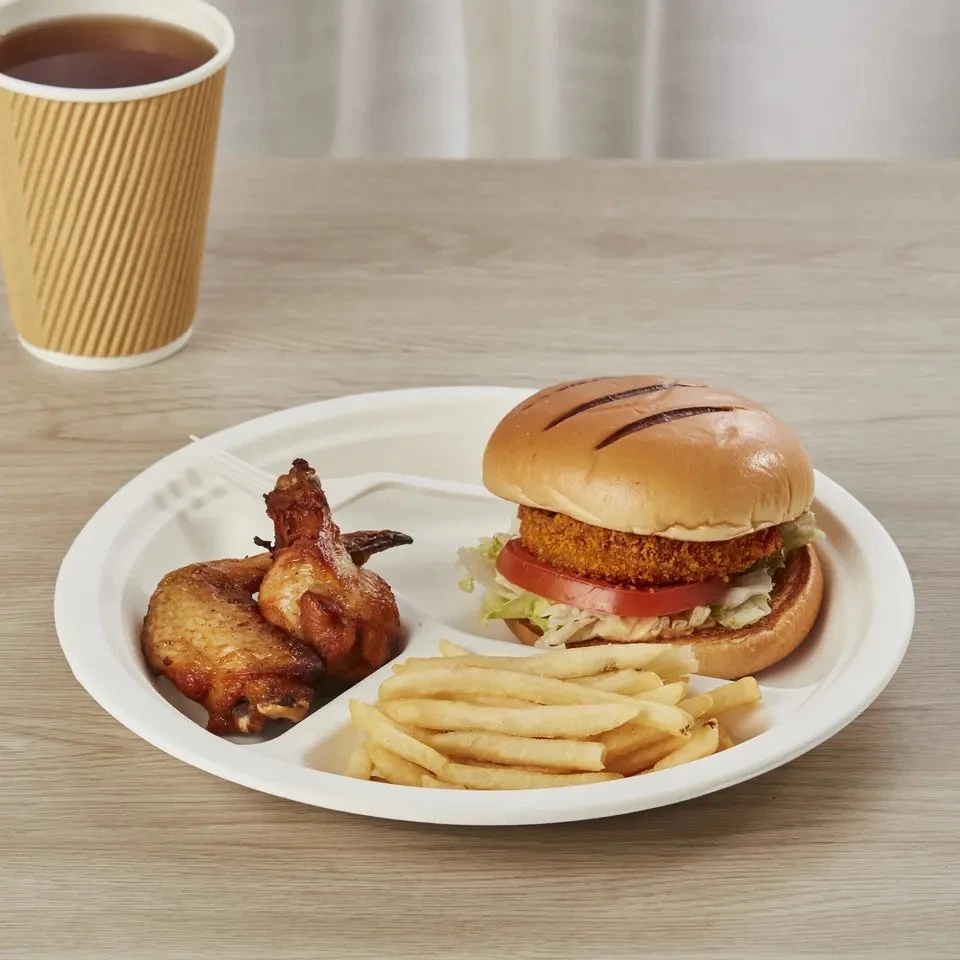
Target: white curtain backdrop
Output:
[(613, 78)]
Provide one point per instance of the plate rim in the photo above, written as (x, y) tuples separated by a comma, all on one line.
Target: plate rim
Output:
[(892, 615)]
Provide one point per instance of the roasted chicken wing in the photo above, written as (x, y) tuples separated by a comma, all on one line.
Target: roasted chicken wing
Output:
[(204, 630), (318, 612), (361, 544), (315, 591)]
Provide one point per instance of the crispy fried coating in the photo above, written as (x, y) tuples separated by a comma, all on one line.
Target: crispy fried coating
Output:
[(631, 558)]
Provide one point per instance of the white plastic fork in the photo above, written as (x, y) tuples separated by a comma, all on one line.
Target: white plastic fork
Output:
[(340, 490)]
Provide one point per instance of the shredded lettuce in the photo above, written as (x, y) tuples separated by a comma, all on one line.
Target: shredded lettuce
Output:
[(750, 611), (746, 601), (796, 533), (754, 583), (478, 561)]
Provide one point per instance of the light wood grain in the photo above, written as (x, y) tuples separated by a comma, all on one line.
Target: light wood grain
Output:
[(829, 292)]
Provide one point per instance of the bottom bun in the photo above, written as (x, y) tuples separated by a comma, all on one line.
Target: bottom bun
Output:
[(731, 654)]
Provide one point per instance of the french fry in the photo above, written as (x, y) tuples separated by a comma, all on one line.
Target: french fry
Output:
[(509, 778), (429, 780), (467, 682), (663, 717), (627, 738), (669, 693), (385, 733), (513, 766), (568, 755), (551, 722), (641, 732), (558, 664), (565, 717), (629, 682), (489, 701), (395, 769), (485, 700), (730, 696), (703, 742), (358, 763), (644, 757), (675, 663), (697, 705), (450, 649), (726, 740)]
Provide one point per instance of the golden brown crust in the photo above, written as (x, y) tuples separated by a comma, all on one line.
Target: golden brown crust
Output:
[(315, 592), (731, 654), (649, 455), (204, 632), (298, 506), (581, 548)]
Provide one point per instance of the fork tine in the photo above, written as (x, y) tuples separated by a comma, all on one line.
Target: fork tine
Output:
[(238, 471), (258, 476)]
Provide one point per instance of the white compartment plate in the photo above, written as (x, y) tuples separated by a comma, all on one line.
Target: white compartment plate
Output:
[(180, 510)]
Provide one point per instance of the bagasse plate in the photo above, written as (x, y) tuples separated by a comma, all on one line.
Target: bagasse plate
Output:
[(181, 510)]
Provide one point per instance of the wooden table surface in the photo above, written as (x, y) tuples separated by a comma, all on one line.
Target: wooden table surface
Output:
[(829, 292)]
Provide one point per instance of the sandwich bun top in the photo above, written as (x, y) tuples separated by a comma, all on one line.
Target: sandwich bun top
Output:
[(650, 455)]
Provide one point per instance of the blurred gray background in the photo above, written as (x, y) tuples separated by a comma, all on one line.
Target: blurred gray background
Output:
[(606, 78)]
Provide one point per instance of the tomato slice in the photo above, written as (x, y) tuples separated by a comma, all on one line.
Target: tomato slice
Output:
[(522, 568)]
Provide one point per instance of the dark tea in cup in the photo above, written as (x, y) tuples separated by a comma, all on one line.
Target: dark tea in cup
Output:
[(101, 52)]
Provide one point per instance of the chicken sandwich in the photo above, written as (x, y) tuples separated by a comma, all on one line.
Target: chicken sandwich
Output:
[(651, 509)]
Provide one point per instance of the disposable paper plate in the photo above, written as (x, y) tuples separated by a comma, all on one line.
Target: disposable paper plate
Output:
[(182, 510)]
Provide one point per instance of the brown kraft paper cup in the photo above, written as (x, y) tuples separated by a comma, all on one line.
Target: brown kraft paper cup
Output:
[(104, 200)]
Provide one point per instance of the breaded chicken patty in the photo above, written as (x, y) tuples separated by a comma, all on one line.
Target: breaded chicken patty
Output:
[(630, 558)]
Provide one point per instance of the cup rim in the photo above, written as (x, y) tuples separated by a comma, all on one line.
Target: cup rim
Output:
[(143, 91)]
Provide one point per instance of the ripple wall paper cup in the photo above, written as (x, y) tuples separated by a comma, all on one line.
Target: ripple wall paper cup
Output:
[(104, 197)]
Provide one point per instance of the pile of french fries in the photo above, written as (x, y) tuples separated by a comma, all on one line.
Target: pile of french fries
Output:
[(461, 721)]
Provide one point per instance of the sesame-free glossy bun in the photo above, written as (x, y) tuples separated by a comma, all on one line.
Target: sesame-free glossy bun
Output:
[(731, 654), (650, 455)]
